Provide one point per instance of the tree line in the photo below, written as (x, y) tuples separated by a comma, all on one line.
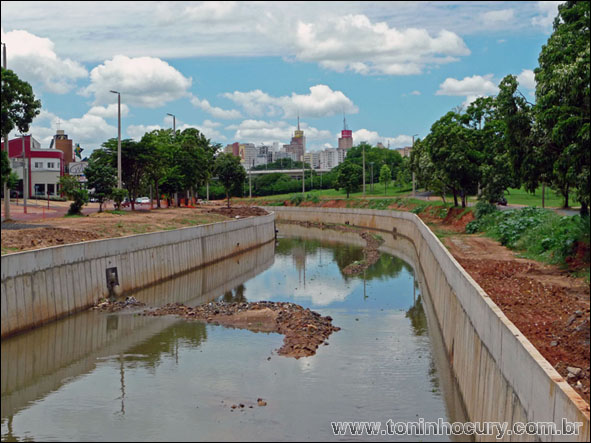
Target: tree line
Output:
[(505, 141)]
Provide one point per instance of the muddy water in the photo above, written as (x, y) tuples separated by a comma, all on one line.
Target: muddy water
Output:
[(98, 376)]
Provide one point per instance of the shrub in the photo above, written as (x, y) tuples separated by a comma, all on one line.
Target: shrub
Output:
[(296, 199), (118, 195)]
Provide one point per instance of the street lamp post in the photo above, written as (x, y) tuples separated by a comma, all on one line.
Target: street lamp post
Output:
[(6, 190), (364, 169), (173, 123), (25, 175), (414, 189), (118, 138)]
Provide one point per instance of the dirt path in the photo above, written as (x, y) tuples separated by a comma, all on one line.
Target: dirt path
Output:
[(65, 230), (550, 307)]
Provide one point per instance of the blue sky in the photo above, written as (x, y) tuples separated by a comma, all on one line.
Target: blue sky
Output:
[(243, 71)]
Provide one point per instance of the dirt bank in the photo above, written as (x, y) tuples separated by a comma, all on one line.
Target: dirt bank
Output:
[(370, 252), (66, 230), (239, 211), (550, 307), (304, 330)]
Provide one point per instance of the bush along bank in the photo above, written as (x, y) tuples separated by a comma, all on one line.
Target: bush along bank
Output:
[(540, 233)]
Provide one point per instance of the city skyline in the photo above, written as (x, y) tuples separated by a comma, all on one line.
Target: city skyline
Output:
[(243, 72)]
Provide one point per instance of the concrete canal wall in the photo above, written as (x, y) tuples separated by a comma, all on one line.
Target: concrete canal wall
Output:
[(43, 285), (41, 361), (501, 376)]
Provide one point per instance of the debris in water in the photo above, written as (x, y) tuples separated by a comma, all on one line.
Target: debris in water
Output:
[(304, 329)]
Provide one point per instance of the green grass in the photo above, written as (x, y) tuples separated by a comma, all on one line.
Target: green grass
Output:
[(524, 198), (332, 193), (9, 250), (118, 212), (539, 234)]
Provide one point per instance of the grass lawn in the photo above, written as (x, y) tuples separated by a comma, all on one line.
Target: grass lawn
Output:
[(334, 194), (522, 197)]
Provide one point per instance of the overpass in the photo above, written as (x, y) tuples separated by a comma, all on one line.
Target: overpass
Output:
[(294, 173)]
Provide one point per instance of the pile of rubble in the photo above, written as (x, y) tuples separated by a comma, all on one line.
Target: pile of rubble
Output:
[(304, 330), (110, 305)]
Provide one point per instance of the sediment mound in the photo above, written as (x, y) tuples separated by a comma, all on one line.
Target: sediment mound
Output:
[(304, 329)]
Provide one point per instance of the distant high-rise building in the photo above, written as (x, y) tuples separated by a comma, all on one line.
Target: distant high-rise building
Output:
[(297, 146), (248, 153), (405, 152), (313, 159), (346, 138), (234, 149)]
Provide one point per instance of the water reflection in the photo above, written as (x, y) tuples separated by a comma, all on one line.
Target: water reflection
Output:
[(121, 376), (41, 361)]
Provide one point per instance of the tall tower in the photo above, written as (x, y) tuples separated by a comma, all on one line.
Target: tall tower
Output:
[(298, 143), (346, 138)]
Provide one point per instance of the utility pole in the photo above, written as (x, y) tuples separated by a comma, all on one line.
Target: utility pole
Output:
[(303, 176), (364, 169), (371, 166), (414, 190), (25, 176), (6, 190), (250, 181), (118, 138)]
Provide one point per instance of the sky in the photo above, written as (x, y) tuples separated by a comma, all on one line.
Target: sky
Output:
[(244, 71)]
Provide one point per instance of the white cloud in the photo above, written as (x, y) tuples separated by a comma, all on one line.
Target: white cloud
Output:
[(109, 111), (322, 101), (548, 10), (207, 128), (373, 138), (214, 111), (35, 60), (253, 28), (89, 130), (211, 11), (499, 17), (527, 79), (469, 87), (136, 132), (259, 131), (415, 92), (143, 81), (353, 42)]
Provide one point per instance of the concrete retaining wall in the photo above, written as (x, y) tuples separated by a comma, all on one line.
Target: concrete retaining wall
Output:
[(43, 285), (502, 377), (41, 361)]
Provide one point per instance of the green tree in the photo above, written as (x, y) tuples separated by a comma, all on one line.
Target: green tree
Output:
[(453, 153), (230, 173), (135, 158), (563, 101), (19, 108), (118, 195), (385, 177), (427, 175), (349, 177), (515, 114), (5, 167), (70, 187), (195, 154), (158, 143), (486, 132), (101, 177)]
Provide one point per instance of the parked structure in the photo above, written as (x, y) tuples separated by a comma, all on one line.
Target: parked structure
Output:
[(44, 166)]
